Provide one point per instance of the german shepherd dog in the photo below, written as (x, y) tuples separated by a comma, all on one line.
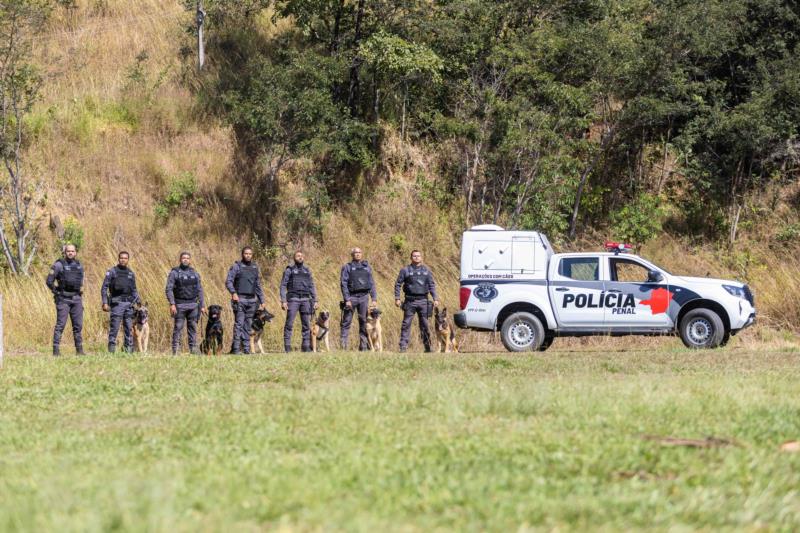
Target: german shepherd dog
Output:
[(320, 330), (445, 333), (141, 327), (260, 321), (374, 329), (212, 342)]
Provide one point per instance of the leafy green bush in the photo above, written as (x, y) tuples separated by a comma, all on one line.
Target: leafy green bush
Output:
[(432, 190), (788, 233), (639, 220), (73, 233), (181, 189), (398, 243)]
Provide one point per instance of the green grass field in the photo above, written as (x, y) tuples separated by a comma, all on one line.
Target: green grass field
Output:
[(412, 442)]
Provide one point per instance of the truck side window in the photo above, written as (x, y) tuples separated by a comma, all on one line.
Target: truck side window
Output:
[(627, 271), (580, 268)]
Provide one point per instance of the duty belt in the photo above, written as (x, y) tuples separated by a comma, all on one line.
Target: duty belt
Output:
[(299, 295), (414, 297), (185, 301), (241, 295)]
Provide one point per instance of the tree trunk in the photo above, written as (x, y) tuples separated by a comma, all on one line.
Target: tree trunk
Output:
[(584, 176), (352, 95), (403, 119), (472, 174), (333, 48)]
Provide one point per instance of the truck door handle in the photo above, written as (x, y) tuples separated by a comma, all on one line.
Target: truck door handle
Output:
[(562, 289), (615, 290)]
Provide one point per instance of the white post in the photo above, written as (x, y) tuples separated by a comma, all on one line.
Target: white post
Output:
[(200, 18)]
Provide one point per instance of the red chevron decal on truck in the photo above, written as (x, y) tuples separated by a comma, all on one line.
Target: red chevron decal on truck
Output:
[(659, 301)]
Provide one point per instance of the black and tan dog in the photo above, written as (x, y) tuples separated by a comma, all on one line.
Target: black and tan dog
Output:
[(445, 333), (320, 330), (141, 327), (212, 342), (374, 329), (260, 321)]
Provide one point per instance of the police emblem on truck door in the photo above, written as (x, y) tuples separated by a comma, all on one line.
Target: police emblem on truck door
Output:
[(485, 292)]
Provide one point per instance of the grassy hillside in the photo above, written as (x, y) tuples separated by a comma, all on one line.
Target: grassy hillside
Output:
[(118, 129), (400, 443)]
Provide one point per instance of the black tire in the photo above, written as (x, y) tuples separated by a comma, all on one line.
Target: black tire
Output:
[(702, 329), (546, 343), (522, 332), (725, 339)]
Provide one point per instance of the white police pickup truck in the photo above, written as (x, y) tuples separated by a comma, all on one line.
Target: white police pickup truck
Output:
[(512, 281)]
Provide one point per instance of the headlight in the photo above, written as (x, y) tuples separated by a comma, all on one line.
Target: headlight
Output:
[(735, 291)]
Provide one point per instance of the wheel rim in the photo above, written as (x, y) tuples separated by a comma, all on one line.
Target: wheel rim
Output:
[(700, 331), (521, 334)]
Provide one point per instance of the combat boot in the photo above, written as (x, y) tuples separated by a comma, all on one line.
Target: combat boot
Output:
[(79, 350), (56, 351)]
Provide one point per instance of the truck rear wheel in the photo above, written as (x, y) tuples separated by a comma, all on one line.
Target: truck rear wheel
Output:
[(522, 332), (702, 328)]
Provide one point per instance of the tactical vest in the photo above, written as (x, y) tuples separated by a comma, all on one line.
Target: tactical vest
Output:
[(299, 285), (70, 279), (358, 282), (187, 285), (123, 282), (246, 280), (416, 282)]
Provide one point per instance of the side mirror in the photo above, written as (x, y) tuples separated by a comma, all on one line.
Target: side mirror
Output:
[(654, 277)]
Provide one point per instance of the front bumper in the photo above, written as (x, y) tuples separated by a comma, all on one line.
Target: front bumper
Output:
[(749, 321), (460, 319)]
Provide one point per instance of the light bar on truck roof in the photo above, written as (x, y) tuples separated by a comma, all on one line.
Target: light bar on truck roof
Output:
[(618, 247)]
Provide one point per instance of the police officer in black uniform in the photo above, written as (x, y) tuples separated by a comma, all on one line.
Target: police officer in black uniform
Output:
[(119, 295), (186, 301), (244, 284), (417, 282), (65, 280), (357, 287), (298, 294)]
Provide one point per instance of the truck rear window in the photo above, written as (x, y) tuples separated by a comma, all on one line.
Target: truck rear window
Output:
[(580, 268)]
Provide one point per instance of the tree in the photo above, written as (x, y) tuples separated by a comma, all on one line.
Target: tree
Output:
[(399, 63), (547, 114), (20, 22)]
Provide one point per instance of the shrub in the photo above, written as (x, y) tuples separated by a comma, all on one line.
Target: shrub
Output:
[(181, 189), (73, 233), (639, 221), (398, 243), (789, 233)]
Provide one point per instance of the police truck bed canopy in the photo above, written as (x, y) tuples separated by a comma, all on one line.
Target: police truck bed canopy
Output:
[(490, 251)]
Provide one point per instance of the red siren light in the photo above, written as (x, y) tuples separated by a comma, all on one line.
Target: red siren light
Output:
[(618, 247)]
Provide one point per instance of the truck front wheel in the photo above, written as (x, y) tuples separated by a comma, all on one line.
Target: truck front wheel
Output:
[(702, 328), (546, 343), (522, 332)]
